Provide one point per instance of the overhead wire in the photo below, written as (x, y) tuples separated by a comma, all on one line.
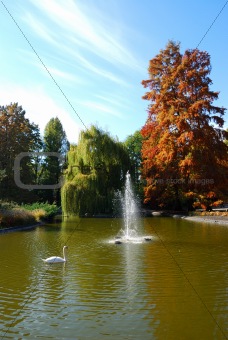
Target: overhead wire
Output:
[(212, 24), (79, 117), (43, 64), (188, 280), (163, 243)]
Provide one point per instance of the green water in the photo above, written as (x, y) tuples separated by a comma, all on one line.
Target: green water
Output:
[(175, 287)]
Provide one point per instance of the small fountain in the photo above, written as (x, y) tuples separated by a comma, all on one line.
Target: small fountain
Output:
[(130, 212)]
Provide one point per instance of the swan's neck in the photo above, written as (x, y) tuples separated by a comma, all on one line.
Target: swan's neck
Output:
[(64, 254)]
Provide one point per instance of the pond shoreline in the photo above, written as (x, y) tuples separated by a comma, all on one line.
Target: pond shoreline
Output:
[(20, 228), (208, 219), (214, 219), (223, 220)]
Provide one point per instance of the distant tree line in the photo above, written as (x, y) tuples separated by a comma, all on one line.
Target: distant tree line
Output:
[(92, 170), (177, 160), (17, 135)]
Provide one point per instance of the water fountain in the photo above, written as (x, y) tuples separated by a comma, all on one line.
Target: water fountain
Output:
[(131, 218)]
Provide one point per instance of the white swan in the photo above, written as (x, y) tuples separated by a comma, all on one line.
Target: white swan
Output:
[(57, 259)]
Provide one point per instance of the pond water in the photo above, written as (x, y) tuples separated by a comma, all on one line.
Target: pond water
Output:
[(174, 287)]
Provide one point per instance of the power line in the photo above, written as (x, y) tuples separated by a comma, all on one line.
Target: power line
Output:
[(187, 279), (58, 86), (53, 79), (212, 24), (66, 98)]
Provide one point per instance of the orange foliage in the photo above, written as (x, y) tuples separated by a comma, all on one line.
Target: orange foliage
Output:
[(180, 145)]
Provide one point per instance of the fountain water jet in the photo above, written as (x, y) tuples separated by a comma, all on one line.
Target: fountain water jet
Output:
[(130, 212)]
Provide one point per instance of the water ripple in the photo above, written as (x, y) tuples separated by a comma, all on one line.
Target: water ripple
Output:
[(107, 291)]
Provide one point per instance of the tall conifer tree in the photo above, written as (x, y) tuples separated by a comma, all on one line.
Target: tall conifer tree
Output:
[(55, 140), (184, 154)]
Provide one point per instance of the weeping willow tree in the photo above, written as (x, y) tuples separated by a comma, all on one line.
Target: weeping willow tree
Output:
[(96, 169)]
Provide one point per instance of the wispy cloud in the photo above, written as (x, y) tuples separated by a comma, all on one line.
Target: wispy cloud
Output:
[(83, 29), (56, 73), (114, 100), (71, 45), (100, 108), (102, 72), (39, 28), (40, 108)]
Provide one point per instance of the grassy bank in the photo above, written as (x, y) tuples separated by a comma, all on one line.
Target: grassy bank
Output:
[(12, 215), (210, 213)]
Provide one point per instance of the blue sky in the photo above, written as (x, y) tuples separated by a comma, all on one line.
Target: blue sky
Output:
[(98, 52)]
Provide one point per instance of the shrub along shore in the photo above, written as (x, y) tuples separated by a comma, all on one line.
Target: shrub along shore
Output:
[(14, 216)]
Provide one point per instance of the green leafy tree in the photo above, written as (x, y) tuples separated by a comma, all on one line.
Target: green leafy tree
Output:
[(17, 134), (184, 154), (96, 169), (55, 140), (133, 144), (134, 147)]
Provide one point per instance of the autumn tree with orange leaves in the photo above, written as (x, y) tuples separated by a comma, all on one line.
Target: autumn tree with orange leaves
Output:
[(17, 135), (184, 156)]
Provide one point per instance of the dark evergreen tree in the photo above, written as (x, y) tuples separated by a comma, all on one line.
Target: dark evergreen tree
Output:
[(51, 168), (133, 144)]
